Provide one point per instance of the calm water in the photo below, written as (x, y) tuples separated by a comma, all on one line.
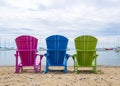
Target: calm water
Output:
[(111, 58)]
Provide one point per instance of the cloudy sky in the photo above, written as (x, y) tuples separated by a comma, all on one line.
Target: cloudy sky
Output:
[(71, 18)]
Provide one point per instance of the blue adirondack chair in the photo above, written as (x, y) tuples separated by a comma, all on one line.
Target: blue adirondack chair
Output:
[(56, 52)]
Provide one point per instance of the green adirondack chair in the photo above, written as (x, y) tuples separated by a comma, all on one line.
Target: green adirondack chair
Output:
[(85, 52)]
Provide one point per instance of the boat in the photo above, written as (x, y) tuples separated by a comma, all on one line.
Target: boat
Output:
[(109, 48), (117, 49)]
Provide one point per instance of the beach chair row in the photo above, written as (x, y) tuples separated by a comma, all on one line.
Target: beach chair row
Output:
[(55, 54)]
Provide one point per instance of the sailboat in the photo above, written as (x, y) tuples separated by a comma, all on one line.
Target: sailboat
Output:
[(117, 49)]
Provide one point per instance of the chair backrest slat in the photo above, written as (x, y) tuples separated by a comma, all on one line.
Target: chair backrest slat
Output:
[(56, 48), (26, 47), (85, 48)]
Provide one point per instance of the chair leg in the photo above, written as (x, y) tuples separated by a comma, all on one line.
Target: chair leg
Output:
[(46, 70), (40, 66), (37, 66), (76, 69), (35, 69), (95, 69), (21, 68), (65, 69), (17, 69)]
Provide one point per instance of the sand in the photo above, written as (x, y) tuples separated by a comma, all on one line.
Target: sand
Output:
[(107, 76)]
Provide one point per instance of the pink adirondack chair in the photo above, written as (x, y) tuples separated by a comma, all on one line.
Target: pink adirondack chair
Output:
[(27, 51)]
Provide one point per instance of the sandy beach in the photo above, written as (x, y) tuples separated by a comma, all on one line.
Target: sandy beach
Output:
[(107, 76)]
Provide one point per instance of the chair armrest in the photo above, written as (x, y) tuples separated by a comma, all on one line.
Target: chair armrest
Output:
[(46, 55), (16, 56), (73, 56), (96, 55), (41, 56), (67, 56), (36, 62)]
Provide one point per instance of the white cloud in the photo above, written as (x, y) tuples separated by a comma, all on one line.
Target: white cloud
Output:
[(65, 17)]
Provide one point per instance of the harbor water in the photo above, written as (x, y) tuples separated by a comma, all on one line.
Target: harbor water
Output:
[(109, 57)]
